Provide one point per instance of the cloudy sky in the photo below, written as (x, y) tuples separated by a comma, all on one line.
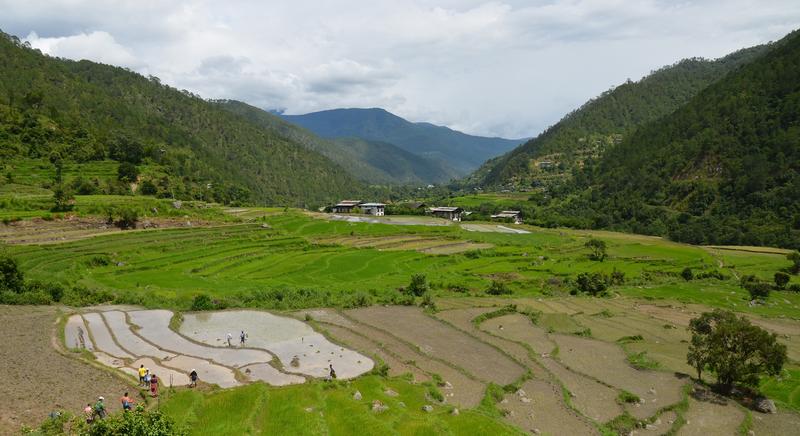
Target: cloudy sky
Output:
[(507, 68)]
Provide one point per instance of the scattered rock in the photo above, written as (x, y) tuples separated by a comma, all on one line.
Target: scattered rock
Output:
[(427, 408), (751, 433), (455, 412), (357, 396), (536, 431), (447, 385), (520, 393), (309, 410), (652, 391), (391, 393), (765, 405), (641, 401), (401, 404), (525, 400), (177, 204), (378, 406), (504, 401), (295, 362), (650, 427)]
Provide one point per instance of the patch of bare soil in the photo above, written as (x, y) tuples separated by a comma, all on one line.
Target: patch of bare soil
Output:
[(38, 379), (607, 362), (539, 407), (441, 341), (73, 228), (519, 328), (461, 390), (365, 345), (676, 315), (781, 423), (711, 415), (593, 399)]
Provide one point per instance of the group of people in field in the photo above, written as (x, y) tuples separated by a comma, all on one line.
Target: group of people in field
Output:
[(98, 410), (148, 380), (242, 339)]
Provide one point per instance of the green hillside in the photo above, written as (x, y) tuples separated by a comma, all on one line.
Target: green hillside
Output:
[(723, 169), (585, 133), (55, 109), (374, 162)]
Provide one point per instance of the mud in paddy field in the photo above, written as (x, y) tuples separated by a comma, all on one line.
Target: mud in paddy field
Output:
[(37, 378)]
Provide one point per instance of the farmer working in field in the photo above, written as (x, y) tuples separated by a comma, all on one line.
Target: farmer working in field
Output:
[(88, 413), (100, 408), (127, 402), (332, 373), (193, 378), (230, 336), (242, 338)]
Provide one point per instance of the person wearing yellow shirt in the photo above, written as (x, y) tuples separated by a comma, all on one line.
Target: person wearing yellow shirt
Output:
[(142, 373)]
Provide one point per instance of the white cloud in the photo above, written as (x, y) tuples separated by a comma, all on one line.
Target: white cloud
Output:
[(97, 46), (506, 68)]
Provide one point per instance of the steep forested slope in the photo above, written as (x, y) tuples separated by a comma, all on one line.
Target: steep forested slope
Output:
[(370, 161), (585, 133), (724, 168), (84, 111), (460, 151)]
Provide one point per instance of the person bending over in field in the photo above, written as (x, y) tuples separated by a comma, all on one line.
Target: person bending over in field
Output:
[(88, 413), (100, 408), (193, 378), (127, 402)]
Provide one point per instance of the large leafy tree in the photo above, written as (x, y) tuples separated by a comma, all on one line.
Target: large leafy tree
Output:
[(737, 351)]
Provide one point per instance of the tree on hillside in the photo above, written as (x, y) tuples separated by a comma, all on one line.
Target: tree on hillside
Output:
[(781, 279), (794, 257), (598, 249), (733, 349), (418, 285), (127, 172), (11, 278)]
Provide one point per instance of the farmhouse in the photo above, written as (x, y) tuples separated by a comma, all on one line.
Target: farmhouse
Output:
[(346, 206), (509, 215), (450, 213), (376, 209)]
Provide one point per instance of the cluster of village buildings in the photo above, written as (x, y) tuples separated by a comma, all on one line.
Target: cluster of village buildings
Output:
[(446, 212)]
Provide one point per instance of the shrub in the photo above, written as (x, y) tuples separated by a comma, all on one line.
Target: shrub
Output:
[(498, 288), (794, 257), (148, 188), (598, 249), (592, 283), (794, 287), (418, 285), (781, 279), (202, 302), (627, 397), (11, 278), (687, 274), (758, 289), (617, 277)]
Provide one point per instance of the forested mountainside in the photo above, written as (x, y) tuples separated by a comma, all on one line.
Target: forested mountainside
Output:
[(457, 150), (722, 169), (373, 162), (585, 133), (84, 111)]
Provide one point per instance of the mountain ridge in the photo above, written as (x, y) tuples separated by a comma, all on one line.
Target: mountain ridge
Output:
[(462, 151)]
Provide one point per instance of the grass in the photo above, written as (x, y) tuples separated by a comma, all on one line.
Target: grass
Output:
[(320, 408), (784, 390)]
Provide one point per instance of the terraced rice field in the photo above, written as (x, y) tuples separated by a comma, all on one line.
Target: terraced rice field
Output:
[(126, 339)]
